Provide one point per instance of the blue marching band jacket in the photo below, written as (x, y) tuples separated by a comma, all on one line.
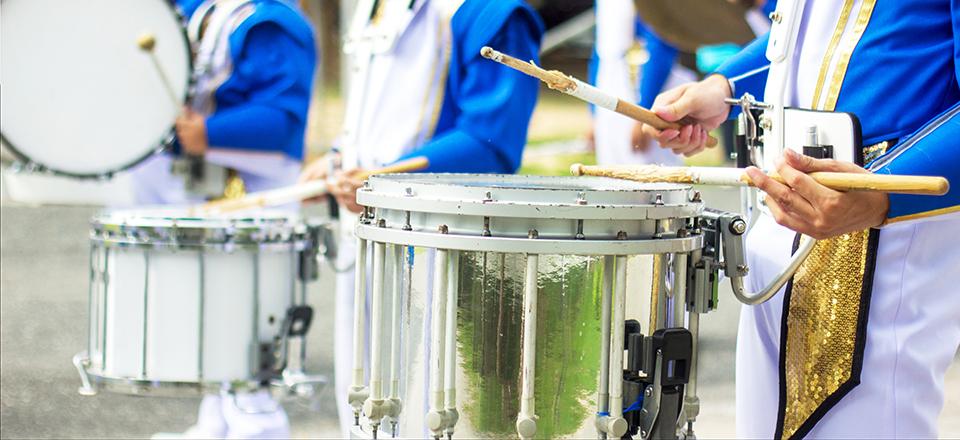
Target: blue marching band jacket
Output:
[(903, 83), (263, 105), (486, 107)]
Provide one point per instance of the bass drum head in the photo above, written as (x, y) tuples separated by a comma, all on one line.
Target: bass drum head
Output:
[(80, 97), (690, 24)]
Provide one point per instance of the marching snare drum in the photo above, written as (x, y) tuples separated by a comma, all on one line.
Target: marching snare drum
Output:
[(80, 96), (180, 302), (515, 322)]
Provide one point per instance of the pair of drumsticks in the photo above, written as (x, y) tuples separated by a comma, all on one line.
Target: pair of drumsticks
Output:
[(645, 173)]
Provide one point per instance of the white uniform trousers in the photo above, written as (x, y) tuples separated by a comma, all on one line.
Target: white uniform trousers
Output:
[(913, 332)]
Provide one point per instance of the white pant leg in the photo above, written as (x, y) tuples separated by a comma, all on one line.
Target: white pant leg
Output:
[(254, 416), (768, 248), (913, 333), (912, 336), (343, 333), (154, 183)]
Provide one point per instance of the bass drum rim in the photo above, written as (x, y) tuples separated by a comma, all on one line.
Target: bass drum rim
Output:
[(162, 144)]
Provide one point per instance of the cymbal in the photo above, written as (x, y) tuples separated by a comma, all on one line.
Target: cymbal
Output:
[(690, 24)]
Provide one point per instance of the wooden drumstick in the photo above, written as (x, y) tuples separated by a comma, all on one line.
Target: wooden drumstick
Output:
[(889, 183), (558, 80), (302, 191), (147, 42)]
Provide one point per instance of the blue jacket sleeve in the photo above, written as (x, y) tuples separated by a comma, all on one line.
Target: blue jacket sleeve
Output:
[(657, 68), (931, 151), (494, 107), (747, 70), (267, 76)]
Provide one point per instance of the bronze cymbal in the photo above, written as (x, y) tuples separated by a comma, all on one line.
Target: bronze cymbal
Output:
[(689, 24)]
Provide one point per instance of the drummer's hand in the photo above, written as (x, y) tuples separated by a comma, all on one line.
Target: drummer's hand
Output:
[(192, 132), (344, 188), (813, 209), (701, 101), (640, 139)]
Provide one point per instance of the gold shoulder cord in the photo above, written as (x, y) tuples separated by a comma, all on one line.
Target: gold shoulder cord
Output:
[(824, 324)]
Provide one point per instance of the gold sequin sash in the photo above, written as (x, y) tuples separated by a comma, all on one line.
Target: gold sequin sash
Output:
[(823, 331)]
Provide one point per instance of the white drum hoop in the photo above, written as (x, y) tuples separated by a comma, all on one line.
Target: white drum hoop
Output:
[(529, 214), (163, 143)]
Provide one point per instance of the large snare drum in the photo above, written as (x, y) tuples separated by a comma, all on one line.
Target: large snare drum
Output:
[(80, 96), (179, 302), (516, 321)]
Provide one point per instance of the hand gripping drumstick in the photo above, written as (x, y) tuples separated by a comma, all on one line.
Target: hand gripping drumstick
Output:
[(889, 183), (147, 42), (557, 80), (296, 193)]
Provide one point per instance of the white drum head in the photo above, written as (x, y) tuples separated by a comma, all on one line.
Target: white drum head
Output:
[(80, 97)]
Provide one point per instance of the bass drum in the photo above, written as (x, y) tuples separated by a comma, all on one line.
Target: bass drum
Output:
[(690, 24), (80, 96)]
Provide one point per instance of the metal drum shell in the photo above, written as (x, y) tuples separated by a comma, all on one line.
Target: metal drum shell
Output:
[(580, 225)]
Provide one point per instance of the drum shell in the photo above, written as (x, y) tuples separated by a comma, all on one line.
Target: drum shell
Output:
[(489, 342), (165, 314)]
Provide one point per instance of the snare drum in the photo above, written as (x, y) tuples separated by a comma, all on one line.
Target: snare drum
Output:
[(180, 302), (513, 321)]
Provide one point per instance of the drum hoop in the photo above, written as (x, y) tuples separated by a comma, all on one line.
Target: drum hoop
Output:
[(164, 143), (295, 245)]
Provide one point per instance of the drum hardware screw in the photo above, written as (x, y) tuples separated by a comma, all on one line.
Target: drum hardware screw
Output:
[(382, 223), (682, 233), (776, 17), (581, 198), (648, 392), (657, 230), (742, 269), (580, 235), (488, 197), (738, 226), (696, 197), (443, 229), (766, 123), (621, 235), (406, 226), (533, 234), (733, 156), (486, 227), (658, 201), (409, 192)]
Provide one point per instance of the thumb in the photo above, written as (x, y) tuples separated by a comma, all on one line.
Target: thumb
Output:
[(676, 110)]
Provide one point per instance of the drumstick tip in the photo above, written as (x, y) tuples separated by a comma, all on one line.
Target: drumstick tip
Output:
[(490, 54), (576, 169), (146, 42)]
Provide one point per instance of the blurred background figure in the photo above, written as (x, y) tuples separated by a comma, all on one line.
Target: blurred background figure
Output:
[(253, 76), (243, 129), (631, 62), (419, 88)]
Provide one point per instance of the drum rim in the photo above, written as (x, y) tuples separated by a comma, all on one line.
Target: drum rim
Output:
[(163, 144), (621, 202)]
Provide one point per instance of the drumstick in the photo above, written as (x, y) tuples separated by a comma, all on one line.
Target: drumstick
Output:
[(296, 193), (889, 183), (147, 42), (558, 80)]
